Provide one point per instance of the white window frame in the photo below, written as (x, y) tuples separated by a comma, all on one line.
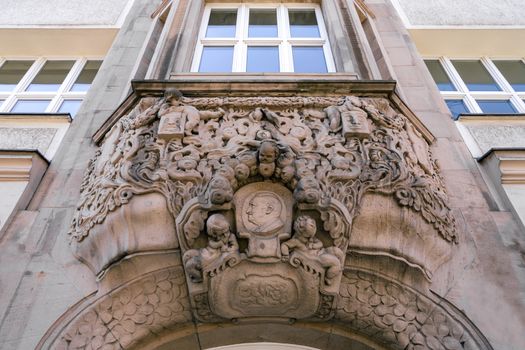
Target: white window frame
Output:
[(284, 40), (56, 97), (470, 98)]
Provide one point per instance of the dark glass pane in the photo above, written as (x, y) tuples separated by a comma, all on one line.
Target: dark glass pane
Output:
[(496, 106), (439, 75), (70, 106), (514, 72), (221, 24), (11, 73), (30, 106), (456, 107), (86, 77), (216, 59), (263, 59), (309, 59), (475, 76), (303, 24), (263, 24), (51, 76)]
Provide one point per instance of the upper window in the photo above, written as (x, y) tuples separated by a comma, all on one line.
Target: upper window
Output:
[(263, 38), (45, 86), (480, 85)]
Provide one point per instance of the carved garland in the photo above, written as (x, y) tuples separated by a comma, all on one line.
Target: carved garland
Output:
[(342, 146)]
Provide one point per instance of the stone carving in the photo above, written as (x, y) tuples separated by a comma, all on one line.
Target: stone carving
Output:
[(399, 317), (263, 282), (346, 146), (236, 171), (140, 309), (222, 249), (304, 247)]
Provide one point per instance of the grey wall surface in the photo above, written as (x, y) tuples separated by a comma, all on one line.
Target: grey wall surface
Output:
[(60, 12), (464, 12)]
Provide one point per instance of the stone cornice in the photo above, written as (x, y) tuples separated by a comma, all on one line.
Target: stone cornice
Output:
[(16, 165), (511, 164), (273, 85)]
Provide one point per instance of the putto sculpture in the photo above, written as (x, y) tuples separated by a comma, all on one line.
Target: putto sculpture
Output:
[(263, 192)]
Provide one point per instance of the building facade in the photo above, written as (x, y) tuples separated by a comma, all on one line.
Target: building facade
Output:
[(262, 175)]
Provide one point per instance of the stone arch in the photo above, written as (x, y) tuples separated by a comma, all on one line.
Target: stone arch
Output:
[(154, 310)]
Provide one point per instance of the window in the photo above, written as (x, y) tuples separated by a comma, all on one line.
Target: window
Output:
[(45, 85), (260, 38), (480, 85)]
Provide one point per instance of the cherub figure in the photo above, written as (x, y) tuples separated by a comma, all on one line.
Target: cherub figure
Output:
[(221, 242), (304, 241), (193, 115)]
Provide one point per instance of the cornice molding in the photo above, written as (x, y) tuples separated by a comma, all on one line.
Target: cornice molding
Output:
[(255, 85)]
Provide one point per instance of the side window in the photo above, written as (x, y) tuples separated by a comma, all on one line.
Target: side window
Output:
[(45, 86), (480, 85), (263, 39)]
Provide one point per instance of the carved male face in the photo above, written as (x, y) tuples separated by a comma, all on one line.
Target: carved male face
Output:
[(263, 209)]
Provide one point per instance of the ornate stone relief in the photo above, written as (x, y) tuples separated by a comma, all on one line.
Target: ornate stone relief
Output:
[(131, 313), (157, 304), (400, 317), (263, 191)]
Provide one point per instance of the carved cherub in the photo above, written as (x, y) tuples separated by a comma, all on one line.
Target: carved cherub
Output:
[(220, 190), (221, 242), (307, 190), (304, 240), (192, 114)]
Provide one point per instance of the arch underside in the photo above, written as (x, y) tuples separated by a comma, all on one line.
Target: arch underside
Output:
[(153, 312)]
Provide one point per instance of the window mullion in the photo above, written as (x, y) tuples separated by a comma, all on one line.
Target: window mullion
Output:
[(30, 75), (453, 74), (285, 49), (496, 75), (241, 50)]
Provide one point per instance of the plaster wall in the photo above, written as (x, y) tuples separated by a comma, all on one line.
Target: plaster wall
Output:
[(25, 13), (461, 12), (11, 192)]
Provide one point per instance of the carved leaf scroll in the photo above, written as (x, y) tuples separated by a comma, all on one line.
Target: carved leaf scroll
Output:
[(347, 145)]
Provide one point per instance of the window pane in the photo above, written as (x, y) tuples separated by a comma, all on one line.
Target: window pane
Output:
[(475, 76), (11, 73), (456, 107), (30, 106), (303, 24), (51, 76), (496, 106), (263, 24), (222, 24), (514, 72), (263, 59), (70, 106), (86, 77), (216, 59), (309, 59), (439, 75)]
